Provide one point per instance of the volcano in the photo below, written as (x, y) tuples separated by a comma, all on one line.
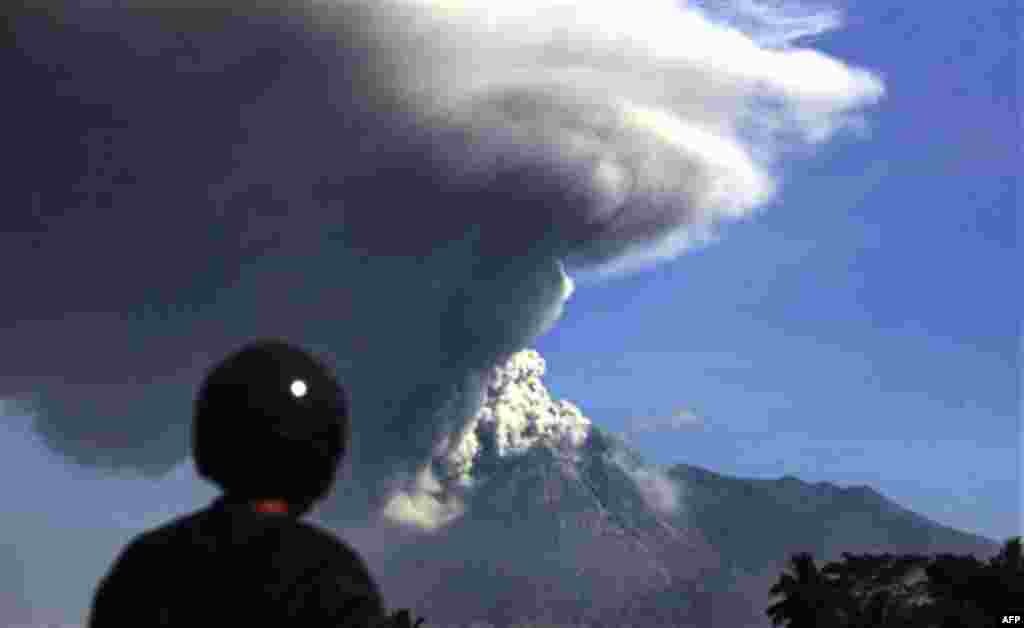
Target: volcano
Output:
[(563, 522)]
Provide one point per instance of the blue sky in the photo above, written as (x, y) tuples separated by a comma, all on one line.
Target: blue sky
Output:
[(865, 328)]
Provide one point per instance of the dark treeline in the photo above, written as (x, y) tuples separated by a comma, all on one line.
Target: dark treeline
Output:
[(857, 591), (905, 591)]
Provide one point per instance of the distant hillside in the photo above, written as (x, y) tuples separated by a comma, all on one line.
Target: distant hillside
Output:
[(754, 523)]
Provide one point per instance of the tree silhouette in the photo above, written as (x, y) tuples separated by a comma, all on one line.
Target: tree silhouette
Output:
[(879, 590), (809, 599), (956, 584), (906, 591), (1003, 582)]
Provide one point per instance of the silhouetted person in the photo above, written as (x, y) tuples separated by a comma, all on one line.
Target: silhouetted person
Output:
[(271, 426)]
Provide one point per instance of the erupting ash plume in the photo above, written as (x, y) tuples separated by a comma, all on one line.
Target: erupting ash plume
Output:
[(397, 184)]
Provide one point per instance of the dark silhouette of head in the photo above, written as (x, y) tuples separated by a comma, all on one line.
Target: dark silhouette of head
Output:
[(271, 422)]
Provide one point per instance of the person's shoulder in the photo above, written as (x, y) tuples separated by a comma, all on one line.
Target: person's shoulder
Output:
[(339, 560), (155, 544), (161, 536), (135, 557), (327, 542), (143, 543)]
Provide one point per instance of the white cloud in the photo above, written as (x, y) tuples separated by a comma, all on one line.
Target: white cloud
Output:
[(664, 118), (773, 23), (682, 419)]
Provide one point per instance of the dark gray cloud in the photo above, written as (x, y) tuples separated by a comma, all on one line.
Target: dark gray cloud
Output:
[(394, 184)]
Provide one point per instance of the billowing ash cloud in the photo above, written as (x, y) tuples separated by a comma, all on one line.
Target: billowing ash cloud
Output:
[(517, 413), (396, 184)]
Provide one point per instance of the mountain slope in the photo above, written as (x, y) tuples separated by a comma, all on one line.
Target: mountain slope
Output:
[(544, 535), (563, 520)]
